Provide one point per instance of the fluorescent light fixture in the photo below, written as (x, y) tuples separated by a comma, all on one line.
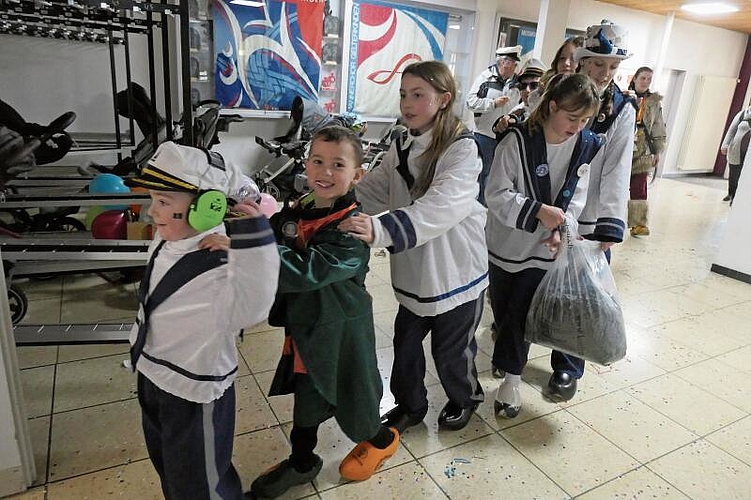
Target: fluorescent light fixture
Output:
[(248, 3), (709, 8)]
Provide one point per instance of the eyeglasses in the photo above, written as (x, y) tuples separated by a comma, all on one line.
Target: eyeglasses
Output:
[(529, 85)]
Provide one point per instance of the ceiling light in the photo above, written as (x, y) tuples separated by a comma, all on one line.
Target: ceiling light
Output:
[(455, 26), (709, 8)]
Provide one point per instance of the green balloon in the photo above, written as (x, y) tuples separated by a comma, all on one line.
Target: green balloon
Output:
[(91, 214)]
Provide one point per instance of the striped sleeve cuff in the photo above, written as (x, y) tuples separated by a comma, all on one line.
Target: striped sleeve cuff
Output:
[(250, 232), (401, 230), (527, 219), (609, 229)]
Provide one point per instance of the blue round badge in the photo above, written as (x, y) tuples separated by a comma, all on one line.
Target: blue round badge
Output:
[(542, 170), (566, 193)]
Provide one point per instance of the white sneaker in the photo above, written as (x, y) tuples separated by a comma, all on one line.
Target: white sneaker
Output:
[(508, 399)]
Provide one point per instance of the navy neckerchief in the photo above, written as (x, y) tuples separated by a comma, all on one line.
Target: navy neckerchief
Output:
[(619, 101), (403, 154), (534, 157), (183, 271)]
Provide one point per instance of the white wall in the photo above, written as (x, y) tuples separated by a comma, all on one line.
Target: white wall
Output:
[(50, 76), (17, 468), (42, 78), (11, 477), (732, 254), (694, 48)]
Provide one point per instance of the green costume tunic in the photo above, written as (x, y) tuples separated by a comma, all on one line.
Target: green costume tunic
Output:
[(324, 306)]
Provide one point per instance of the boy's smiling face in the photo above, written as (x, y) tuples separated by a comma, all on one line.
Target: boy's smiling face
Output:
[(169, 209), (332, 169)]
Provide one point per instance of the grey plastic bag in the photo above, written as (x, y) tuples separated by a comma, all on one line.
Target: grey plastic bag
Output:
[(575, 309)]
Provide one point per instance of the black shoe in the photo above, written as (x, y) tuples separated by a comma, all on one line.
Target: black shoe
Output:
[(281, 477), (454, 417), (399, 419), (727, 198), (561, 386)]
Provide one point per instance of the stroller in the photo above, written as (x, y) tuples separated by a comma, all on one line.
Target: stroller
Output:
[(134, 102), (20, 154), (284, 177)]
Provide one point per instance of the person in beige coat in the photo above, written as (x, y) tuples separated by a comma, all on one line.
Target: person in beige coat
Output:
[(649, 143)]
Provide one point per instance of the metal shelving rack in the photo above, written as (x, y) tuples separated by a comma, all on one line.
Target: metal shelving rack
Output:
[(112, 22)]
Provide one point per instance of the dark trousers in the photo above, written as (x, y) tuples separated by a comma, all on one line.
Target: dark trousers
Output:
[(487, 152), (638, 186), (510, 297), (190, 444), (733, 176), (454, 348), (312, 409)]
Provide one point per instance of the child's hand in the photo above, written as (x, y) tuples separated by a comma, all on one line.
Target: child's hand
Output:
[(502, 124), (248, 207), (551, 217), (360, 226), (214, 242), (553, 243)]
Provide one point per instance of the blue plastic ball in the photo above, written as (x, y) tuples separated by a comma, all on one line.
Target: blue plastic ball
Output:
[(109, 184)]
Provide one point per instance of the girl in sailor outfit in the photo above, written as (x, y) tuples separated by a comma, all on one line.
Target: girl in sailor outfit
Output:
[(537, 183), (434, 228), (604, 215)]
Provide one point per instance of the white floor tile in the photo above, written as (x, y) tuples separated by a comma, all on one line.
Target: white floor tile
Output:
[(678, 401)]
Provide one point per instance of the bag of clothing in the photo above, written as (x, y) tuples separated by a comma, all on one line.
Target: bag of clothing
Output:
[(575, 309)]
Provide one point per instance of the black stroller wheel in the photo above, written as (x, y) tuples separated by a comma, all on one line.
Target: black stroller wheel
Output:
[(18, 303), (68, 224)]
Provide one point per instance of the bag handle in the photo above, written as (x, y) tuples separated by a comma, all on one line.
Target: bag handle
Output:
[(566, 235)]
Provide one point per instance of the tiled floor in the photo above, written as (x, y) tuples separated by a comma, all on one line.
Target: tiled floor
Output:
[(672, 420)]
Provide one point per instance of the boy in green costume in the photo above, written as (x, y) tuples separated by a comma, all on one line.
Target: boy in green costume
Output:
[(329, 359)]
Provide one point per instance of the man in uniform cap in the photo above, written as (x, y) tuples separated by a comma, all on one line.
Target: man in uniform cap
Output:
[(493, 94), (529, 81)]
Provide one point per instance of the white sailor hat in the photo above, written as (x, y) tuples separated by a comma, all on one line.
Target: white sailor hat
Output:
[(604, 40), (533, 68), (509, 52)]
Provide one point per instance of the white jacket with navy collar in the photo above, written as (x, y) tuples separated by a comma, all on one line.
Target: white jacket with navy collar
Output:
[(190, 348), (439, 258)]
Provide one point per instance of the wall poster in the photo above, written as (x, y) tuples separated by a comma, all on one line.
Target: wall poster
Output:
[(267, 52), (385, 38)]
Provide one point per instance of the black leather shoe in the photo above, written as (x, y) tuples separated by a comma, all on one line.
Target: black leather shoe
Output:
[(400, 420), (561, 386), (454, 417)]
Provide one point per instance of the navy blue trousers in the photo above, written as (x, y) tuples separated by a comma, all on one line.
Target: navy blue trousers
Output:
[(190, 444), (454, 349), (487, 153), (510, 297)]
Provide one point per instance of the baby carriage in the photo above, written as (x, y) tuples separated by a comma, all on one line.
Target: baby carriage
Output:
[(134, 102), (20, 154), (284, 176)]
